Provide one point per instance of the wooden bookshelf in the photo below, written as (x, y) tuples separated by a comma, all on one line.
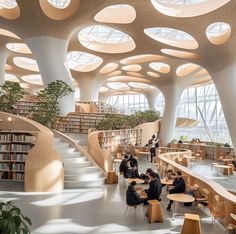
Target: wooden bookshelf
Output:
[(111, 139), (96, 107), (78, 122), (207, 151), (14, 148), (103, 144), (25, 108)]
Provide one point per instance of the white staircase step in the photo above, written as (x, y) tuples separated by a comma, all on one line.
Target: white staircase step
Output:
[(71, 160), (82, 176), (84, 183), (81, 170), (65, 150), (57, 140), (76, 165), (61, 145), (74, 154)]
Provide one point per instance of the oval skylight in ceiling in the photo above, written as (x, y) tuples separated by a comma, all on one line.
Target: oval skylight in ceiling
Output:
[(132, 68), (61, 4), (139, 85), (8, 33), (160, 67), (186, 69), (187, 8), (18, 47), (106, 39), (10, 77), (180, 54), (83, 62), (26, 63), (153, 74), (33, 79), (142, 58), (116, 14), (135, 74), (172, 37), (103, 89), (8, 4), (110, 67), (118, 86), (218, 33)]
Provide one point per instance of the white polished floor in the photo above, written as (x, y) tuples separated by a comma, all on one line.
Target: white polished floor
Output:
[(98, 210)]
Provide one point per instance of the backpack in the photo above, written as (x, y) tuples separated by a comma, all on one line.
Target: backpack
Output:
[(157, 145)]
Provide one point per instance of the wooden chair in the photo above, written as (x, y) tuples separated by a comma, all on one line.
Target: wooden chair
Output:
[(217, 211), (131, 206), (191, 224)]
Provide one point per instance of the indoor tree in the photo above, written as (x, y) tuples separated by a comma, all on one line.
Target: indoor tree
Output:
[(47, 108), (10, 94)]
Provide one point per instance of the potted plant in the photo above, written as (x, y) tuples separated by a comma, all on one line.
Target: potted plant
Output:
[(12, 221)]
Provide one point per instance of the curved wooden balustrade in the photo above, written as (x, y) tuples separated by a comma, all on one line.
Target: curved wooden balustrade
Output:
[(101, 156), (43, 168), (227, 199), (79, 149)]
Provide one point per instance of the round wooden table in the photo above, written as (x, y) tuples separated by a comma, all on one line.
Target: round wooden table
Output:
[(167, 181), (137, 180), (180, 197)]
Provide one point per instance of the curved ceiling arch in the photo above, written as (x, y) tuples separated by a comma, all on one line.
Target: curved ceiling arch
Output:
[(142, 58), (116, 14), (106, 40)]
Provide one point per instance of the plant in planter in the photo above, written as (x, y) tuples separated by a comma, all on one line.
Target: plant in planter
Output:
[(12, 221), (10, 94), (47, 109)]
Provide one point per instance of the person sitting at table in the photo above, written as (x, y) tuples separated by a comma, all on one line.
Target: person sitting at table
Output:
[(170, 175), (133, 161), (178, 186), (149, 170), (124, 166), (154, 190), (234, 162), (132, 197), (133, 172)]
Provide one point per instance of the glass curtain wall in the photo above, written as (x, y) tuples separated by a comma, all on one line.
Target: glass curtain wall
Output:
[(201, 103), (130, 103)]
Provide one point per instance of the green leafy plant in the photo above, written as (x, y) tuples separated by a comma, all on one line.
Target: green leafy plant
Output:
[(12, 221), (10, 94), (117, 121), (47, 108)]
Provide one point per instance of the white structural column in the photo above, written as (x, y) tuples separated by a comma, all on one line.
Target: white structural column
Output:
[(50, 54), (151, 95), (172, 94), (225, 82), (89, 88), (3, 59)]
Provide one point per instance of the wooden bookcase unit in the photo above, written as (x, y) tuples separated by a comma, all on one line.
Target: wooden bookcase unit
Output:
[(14, 147), (111, 139), (78, 122), (206, 151)]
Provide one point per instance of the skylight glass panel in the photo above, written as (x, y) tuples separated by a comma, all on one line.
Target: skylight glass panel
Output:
[(59, 3), (8, 4)]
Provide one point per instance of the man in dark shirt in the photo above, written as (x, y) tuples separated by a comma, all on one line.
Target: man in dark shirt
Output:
[(124, 167), (178, 186), (132, 197), (133, 172), (154, 190), (133, 161)]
